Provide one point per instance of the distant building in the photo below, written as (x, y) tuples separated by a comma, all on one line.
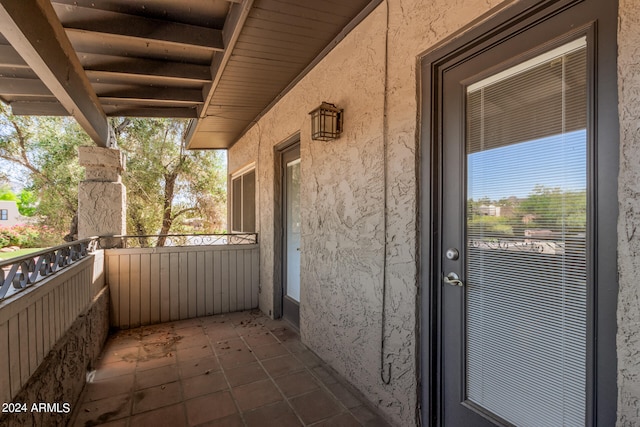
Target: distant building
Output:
[(9, 215), (491, 210)]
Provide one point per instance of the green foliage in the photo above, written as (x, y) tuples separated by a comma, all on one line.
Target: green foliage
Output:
[(7, 194), (27, 203), (18, 253), (554, 209), (167, 184), (490, 225), (46, 149), (544, 209), (25, 200), (29, 236)]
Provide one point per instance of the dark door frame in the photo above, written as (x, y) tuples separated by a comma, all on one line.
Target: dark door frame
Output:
[(279, 222), (477, 37)]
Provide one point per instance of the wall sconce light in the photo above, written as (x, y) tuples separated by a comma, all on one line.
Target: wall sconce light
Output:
[(326, 122)]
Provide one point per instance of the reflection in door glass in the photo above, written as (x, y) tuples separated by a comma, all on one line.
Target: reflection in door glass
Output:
[(526, 228), (293, 229)]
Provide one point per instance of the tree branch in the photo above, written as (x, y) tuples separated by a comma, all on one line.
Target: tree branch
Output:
[(180, 212)]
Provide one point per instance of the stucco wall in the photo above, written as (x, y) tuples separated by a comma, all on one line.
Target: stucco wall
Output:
[(13, 215), (343, 206), (629, 219)]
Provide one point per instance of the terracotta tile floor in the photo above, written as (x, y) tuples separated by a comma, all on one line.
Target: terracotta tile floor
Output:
[(239, 369)]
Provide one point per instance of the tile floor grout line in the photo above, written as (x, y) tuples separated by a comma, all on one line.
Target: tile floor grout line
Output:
[(183, 405), (345, 385), (319, 380), (322, 385), (224, 374), (170, 333), (286, 399), (242, 327)]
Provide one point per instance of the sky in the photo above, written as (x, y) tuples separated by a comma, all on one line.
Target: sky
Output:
[(14, 174), (514, 170)]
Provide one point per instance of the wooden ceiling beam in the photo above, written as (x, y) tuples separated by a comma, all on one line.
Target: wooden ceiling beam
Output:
[(35, 32), (38, 108), (87, 42), (148, 80), (144, 67), (203, 13), (23, 87), (52, 108), (135, 111), (146, 102), (10, 58), (169, 95), (125, 25)]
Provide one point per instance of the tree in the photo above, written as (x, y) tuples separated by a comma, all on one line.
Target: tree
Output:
[(167, 183), (27, 203), (25, 200), (45, 149), (6, 193), (554, 209)]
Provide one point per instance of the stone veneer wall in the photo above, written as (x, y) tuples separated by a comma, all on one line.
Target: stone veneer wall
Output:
[(628, 339), (60, 378), (343, 209)]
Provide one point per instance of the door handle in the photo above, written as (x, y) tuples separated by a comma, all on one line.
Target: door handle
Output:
[(453, 279)]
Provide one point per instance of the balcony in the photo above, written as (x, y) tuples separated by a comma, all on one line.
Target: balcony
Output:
[(235, 369), (189, 344)]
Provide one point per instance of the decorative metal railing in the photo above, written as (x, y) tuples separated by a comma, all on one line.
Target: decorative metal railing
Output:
[(176, 240), (529, 245), (17, 274)]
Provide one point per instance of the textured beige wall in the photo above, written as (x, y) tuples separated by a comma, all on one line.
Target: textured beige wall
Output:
[(343, 214), (343, 205), (629, 218), (13, 215), (102, 198)]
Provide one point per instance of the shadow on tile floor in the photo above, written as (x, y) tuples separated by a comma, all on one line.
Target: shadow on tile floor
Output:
[(238, 369)]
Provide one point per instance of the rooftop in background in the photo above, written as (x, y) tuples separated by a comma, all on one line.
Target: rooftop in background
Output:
[(220, 62)]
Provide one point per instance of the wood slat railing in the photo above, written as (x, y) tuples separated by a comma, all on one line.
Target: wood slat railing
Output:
[(163, 284), (33, 321)]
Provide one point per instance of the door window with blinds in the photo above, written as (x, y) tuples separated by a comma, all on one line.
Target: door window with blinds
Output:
[(243, 201), (526, 233)]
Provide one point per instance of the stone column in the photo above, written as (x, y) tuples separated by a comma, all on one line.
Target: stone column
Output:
[(102, 198)]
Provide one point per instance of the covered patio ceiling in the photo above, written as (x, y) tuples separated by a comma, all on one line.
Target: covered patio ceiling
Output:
[(222, 63)]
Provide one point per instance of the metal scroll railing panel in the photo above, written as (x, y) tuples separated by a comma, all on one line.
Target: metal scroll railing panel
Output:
[(17, 274), (177, 240)]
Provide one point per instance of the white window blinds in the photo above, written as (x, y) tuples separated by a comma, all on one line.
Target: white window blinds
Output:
[(526, 225)]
